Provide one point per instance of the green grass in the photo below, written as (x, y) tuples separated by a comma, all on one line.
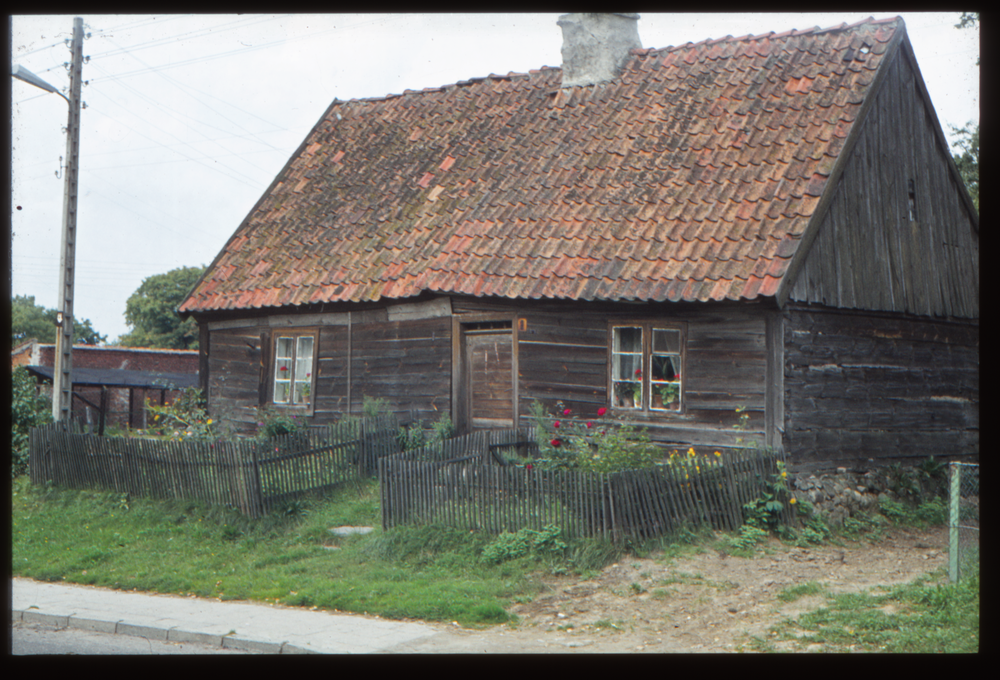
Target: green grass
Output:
[(792, 593), (917, 618), (183, 547)]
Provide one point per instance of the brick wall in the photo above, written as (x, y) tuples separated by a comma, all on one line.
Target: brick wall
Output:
[(86, 356)]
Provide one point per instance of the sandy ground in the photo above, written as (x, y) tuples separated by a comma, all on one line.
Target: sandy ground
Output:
[(708, 602)]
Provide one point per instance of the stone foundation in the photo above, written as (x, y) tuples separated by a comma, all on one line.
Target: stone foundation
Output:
[(840, 494)]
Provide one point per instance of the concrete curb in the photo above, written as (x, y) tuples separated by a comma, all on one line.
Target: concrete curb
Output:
[(154, 633)]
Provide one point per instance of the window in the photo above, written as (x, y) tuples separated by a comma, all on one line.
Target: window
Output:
[(646, 362), (294, 357)]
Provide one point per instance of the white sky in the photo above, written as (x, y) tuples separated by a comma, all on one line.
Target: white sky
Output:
[(190, 117)]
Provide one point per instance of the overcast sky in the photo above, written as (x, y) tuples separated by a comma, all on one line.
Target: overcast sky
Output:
[(189, 117)]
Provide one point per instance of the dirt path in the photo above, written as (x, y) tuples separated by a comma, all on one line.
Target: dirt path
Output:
[(708, 602)]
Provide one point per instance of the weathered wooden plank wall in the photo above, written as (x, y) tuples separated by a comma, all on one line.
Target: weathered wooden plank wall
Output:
[(563, 356), (864, 388), (234, 383), (406, 362), (869, 253)]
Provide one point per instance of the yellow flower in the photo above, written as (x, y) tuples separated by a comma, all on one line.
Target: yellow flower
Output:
[(209, 422), (691, 451), (792, 501), (718, 454), (784, 474)]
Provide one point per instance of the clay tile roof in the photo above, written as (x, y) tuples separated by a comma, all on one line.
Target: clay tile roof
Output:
[(691, 177)]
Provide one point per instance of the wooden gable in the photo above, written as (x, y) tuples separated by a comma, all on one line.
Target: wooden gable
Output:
[(900, 233)]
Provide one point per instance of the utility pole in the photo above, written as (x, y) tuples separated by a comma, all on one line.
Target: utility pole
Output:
[(62, 383)]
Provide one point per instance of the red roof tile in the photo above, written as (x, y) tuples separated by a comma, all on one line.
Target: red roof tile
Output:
[(691, 177)]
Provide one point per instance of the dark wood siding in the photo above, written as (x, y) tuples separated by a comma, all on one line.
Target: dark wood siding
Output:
[(406, 362), (234, 375), (868, 254), (562, 354), (331, 374), (864, 389)]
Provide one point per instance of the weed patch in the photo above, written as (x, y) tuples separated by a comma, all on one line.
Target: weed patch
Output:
[(914, 618)]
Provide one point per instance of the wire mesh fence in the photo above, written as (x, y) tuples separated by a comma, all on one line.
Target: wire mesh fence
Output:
[(963, 521)]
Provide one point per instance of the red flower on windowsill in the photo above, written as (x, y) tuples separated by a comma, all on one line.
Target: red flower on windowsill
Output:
[(283, 368), (638, 373)]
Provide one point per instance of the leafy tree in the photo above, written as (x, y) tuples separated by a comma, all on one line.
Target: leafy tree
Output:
[(968, 136), (968, 160), (29, 320), (151, 311), (28, 409)]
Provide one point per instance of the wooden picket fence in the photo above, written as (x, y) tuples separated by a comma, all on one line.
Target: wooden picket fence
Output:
[(465, 483), (251, 475)]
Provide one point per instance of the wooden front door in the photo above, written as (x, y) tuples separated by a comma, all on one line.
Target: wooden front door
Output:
[(489, 362)]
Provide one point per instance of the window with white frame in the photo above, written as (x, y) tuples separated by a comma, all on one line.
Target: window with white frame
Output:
[(294, 362), (646, 360)]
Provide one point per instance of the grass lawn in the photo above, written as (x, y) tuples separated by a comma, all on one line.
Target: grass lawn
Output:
[(289, 557), (431, 573)]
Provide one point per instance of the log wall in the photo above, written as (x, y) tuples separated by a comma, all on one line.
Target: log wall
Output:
[(563, 357), (863, 389)]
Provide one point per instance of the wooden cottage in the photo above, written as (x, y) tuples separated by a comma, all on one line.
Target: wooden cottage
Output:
[(771, 222)]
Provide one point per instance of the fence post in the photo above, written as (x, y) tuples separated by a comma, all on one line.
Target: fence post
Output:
[(953, 516)]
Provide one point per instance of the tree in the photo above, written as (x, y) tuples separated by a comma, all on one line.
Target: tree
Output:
[(968, 160), (151, 312), (968, 136), (29, 320)]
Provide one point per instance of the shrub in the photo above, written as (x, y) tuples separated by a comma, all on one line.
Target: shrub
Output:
[(28, 409), (415, 435), (508, 546), (597, 445), (274, 423), (185, 417)]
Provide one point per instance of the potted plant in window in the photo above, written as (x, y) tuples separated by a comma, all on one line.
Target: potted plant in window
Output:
[(629, 393), (669, 393)]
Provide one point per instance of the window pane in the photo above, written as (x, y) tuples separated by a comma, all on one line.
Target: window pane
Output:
[(627, 354), (285, 346), (281, 391), (626, 367), (303, 360), (627, 339), (666, 341), (665, 370), (283, 369)]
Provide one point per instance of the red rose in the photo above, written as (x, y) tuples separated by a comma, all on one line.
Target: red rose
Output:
[(566, 412), (528, 466), (555, 443), (601, 411), (555, 424), (589, 425)]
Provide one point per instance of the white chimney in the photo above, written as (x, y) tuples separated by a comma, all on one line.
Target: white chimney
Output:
[(596, 46)]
